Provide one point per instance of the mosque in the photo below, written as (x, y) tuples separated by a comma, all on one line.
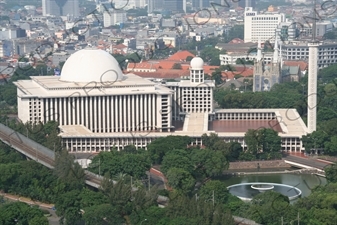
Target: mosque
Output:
[(98, 107)]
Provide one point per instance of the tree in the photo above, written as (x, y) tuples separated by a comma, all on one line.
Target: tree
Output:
[(237, 31), (331, 146), (134, 164), (217, 77), (181, 180), (315, 140), (177, 66), (102, 214), (68, 170), (159, 147), (208, 163), (68, 207), (211, 55), (331, 173), (177, 159), (189, 58), (221, 194), (21, 213), (264, 143), (268, 208), (252, 141)]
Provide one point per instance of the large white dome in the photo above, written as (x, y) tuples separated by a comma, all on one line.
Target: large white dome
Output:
[(88, 65), (197, 63)]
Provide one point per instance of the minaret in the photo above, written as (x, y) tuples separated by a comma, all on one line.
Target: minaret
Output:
[(197, 70), (312, 79)]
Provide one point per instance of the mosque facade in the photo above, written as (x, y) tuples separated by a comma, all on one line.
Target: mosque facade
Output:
[(98, 107)]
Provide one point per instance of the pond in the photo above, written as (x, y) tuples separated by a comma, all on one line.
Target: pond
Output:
[(304, 182)]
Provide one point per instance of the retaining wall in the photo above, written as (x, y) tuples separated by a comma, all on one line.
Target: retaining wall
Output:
[(261, 164)]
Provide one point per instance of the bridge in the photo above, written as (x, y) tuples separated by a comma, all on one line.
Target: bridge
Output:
[(39, 153), (306, 162)]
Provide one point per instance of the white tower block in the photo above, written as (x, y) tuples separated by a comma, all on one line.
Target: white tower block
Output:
[(312, 86)]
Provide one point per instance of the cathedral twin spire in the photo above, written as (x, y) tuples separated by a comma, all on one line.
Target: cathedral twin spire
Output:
[(276, 55)]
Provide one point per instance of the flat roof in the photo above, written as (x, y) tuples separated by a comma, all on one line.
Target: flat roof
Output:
[(242, 125), (51, 86), (288, 123)]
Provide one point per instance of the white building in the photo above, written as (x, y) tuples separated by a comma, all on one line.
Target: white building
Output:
[(261, 26), (98, 107), (114, 17), (327, 52), (232, 57)]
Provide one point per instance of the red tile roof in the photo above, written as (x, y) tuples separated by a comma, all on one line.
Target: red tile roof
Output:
[(302, 64), (180, 56), (164, 74), (236, 41)]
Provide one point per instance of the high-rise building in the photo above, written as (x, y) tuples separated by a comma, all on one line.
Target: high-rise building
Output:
[(175, 5), (114, 17), (247, 3), (261, 26), (150, 6), (61, 8), (200, 4), (140, 3)]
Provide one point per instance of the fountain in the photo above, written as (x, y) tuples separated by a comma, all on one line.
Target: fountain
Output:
[(246, 191), (262, 187)]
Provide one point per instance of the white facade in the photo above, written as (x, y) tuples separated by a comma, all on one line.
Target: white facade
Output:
[(231, 58), (98, 107), (312, 86), (261, 26), (114, 17), (327, 53)]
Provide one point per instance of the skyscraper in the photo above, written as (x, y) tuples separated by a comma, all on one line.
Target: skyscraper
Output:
[(200, 4), (61, 8), (175, 5)]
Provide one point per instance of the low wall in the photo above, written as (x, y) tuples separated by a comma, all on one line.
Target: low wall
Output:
[(260, 164)]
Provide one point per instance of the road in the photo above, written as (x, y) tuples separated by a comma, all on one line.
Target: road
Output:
[(306, 161)]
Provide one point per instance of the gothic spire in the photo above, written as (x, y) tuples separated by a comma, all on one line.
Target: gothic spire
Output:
[(259, 53), (275, 56)]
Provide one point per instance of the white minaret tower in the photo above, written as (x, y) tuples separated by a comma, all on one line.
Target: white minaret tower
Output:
[(197, 70), (312, 80)]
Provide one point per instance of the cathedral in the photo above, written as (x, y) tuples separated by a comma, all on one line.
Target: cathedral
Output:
[(265, 76)]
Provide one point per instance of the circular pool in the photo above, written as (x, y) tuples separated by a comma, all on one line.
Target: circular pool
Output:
[(246, 191)]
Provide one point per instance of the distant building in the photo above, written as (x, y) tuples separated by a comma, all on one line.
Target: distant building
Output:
[(287, 31), (61, 8), (261, 26), (114, 17), (200, 4), (327, 52), (175, 5), (5, 48)]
